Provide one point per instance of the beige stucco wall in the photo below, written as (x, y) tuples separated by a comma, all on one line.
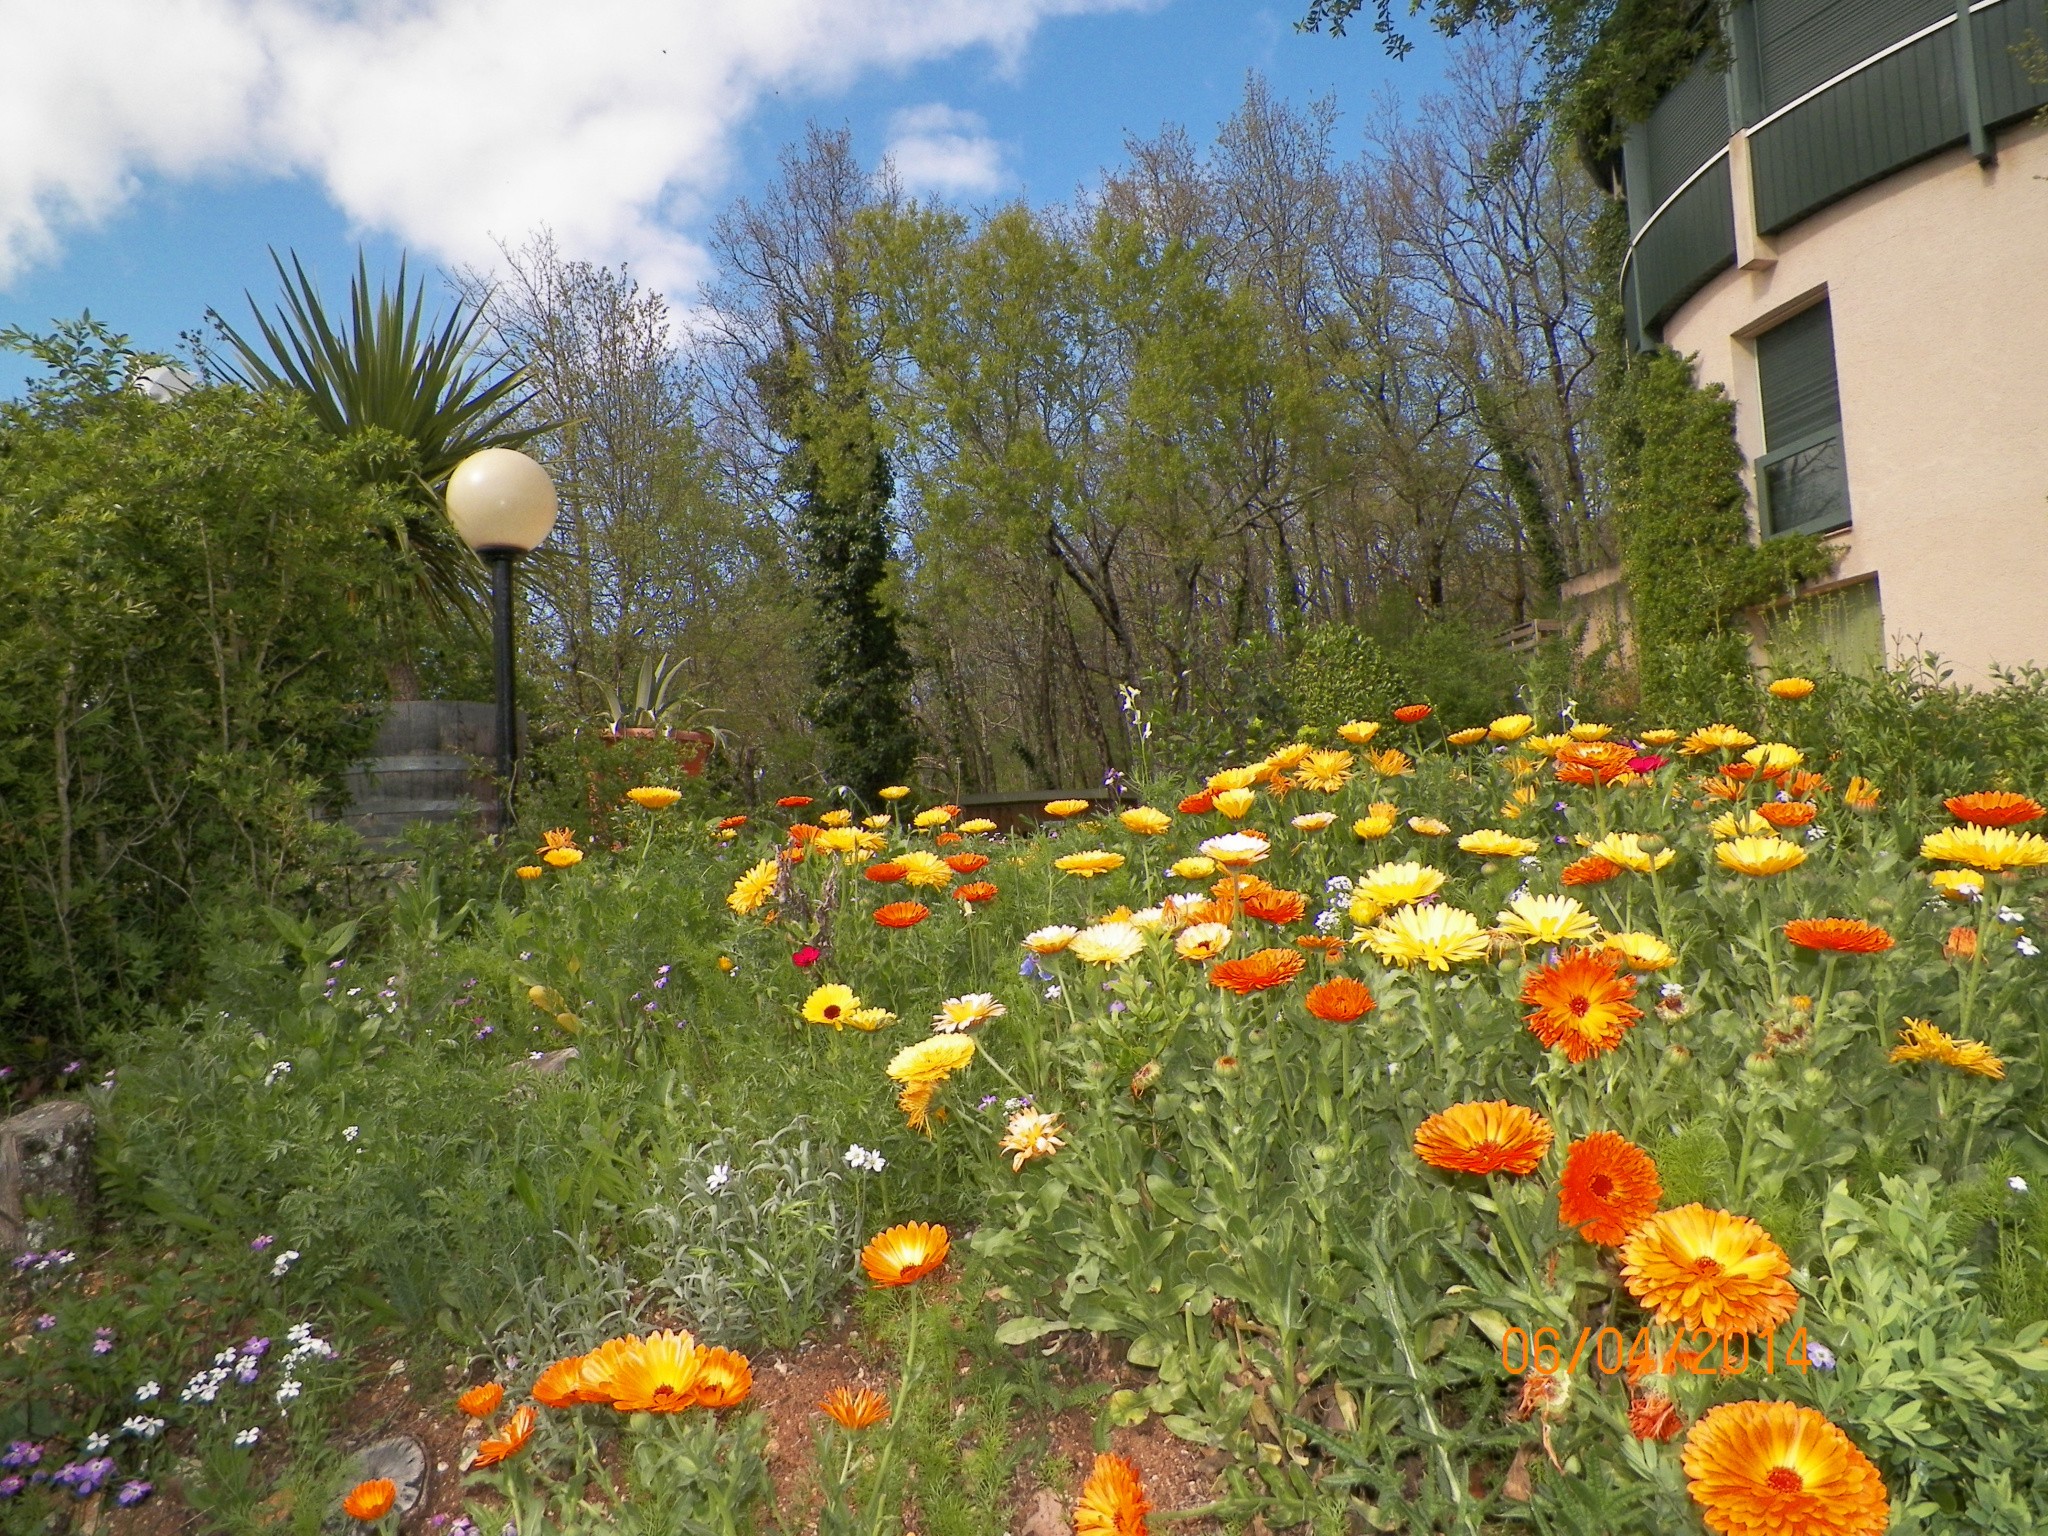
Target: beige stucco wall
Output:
[(1938, 279)]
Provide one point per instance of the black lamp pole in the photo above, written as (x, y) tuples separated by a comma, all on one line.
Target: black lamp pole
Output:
[(500, 560)]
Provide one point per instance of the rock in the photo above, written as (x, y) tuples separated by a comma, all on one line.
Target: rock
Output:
[(45, 1164), (548, 1063), (403, 1460), (1046, 1516)]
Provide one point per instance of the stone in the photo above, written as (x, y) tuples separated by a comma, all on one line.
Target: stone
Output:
[(45, 1166), (1046, 1516), (548, 1063), (400, 1458)]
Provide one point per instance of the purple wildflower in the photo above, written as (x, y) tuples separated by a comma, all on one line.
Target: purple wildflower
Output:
[(10, 1485), (133, 1492), (45, 1322), (258, 1244), (21, 1453)]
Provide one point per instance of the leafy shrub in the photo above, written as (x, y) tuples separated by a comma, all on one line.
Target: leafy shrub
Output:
[(1341, 673)]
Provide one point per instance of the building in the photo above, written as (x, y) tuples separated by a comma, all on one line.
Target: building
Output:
[(1847, 227)]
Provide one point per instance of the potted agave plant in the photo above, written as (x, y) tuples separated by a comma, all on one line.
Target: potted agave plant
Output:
[(654, 711)]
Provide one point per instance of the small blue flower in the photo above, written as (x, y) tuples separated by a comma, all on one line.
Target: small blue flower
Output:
[(1819, 1356)]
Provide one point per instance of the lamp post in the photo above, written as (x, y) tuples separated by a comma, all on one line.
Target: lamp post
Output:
[(502, 504)]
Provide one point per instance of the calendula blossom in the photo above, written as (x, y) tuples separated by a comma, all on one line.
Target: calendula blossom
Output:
[(1717, 738), (922, 868), (1490, 844), (1546, 920), (1313, 821), (1031, 1135), (1049, 941), (1145, 821), (1232, 778), (752, 890), (1627, 850), (1359, 732), (965, 1012), (1107, 944), (1436, 937), (1760, 857), (1088, 865), (1202, 941), (931, 1060), (1193, 867), (1510, 727), (1987, 848), (1236, 850)]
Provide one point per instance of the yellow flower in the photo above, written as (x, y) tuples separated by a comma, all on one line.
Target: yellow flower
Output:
[(752, 889), (937, 816), (653, 797), (1145, 821), (1393, 885), (1861, 795), (1750, 825), (1235, 803), (1427, 826), (842, 840), (1627, 850), (1774, 757), (1107, 944), (1989, 848), (1371, 828), (1489, 844), (832, 1004), (1326, 772), (1510, 727), (1313, 821), (931, 1060), (1194, 868), (1921, 1041), (529, 871), (1659, 738), (1153, 920), (838, 818), (1437, 937), (978, 825), (1958, 884), (1232, 778), (1546, 746), (894, 792), (1203, 941), (1717, 738), (1065, 808), (1032, 1135), (1049, 941), (922, 867), (1285, 760), (1096, 861), (1792, 688), (1586, 731), (1520, 803), (564, 858), (1359, 732), (1392, 763), (870, 1019), (964, 1012), (1236, 850), (877, 821), (1471, 736), (1759, 857), (1546, 920), (1640, 951)]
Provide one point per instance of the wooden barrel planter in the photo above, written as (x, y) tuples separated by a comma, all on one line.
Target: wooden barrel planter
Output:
[(693, 748), (431, 762)]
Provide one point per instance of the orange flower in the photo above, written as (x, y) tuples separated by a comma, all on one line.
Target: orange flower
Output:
[(967, 863), (371, 1500), (657, 1374), (1961, 944), (1780, 1469), (560, 1383), (1339, 1000), (1113, 1501), (1199, 804), (1328, 945), (1838, 935), (905, 1254), (1654, 1417), (1703, 1268), (852, 1409), (1787, 813), (1591, 870), (902, 914), (975, 893), (481, 1402), (886, 873), (946, 839), (801, 832), (1277, 907), (1582, 1003), (794, 802), (1258, 971), (1608, 1185), (1409, 714), (1493, 1137), (1994, 808), (1722, 788), (731, 823), (724, 1378), (507, 1441)]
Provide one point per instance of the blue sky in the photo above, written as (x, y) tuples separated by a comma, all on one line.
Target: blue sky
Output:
[(1037, 113)]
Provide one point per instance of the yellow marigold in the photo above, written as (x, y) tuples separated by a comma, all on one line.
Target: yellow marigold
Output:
[(838, 818), (1359, 732), (653, 797), (1194, 867), (1145, 821), (1049, 941), (1096, 861), (905, 1254), (878, 821), (1627, 850), (752, 890), (937, 816), (1545, 746), (976, 825), (1031, 1135), (833, 1003), (1202, 941), (1372, 828), (1107, 944), (1794, 688), (1236, 850), (894, 792), (871, 1019), (529, 871), (1727, 825), (659, 1376), (1659, 738), (1921, 1041), (1706, 1269), (1520, 803), (1313, 821), (1471, 736), (1325, 772), (1392, 763), (1427, 826), (922, 867), (1236, 803), (932, 1059), (1987, 848), (1585, 730), (1958, 884), (1285, 759), (1436, 936), (965, 1012), (1232, 778), (844, 841), (1760, 857), (1493, 1136), (1861, 795), (1546, 920), (1717, 738), (1491, 844), (1640, 951), (564, 858), (1781, 1469), (1065, 808), (1394, 885), (1113, 1501), (1510, 727), (1773, 757)]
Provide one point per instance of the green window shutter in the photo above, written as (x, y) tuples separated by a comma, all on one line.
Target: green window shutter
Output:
[(1802, 482)]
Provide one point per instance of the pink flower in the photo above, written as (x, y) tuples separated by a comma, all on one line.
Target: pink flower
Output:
[(1649, 762), (806, 957)]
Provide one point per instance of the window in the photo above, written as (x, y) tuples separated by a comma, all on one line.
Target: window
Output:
[(1802, 485)]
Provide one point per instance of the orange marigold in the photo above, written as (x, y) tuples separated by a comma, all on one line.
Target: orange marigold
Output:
[(975, 893), (1653, 1416), (1339, 1000), (1591, 870), (1708, 1269), (1582, 1003), (794, 802), (370, 1500), (1608, 1185), (1198, 804), (1409, 714), (1258, 971), (1781, 1469), (1838, 935), (508, 1441), (902, 914), (1787, 813), (1113, 1501), (967, 863), (1328, 945), (1491, 1137), (559, 1383), (885, 873), (657, 1374), (855, 1409), (1276, 906), (481, 1402), (905, 1254), (1995, 808), (724, 1377)]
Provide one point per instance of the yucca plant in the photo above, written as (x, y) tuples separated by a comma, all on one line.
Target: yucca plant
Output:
[(386, 369)]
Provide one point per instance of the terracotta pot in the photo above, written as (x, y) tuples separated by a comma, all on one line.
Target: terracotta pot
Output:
[(693, 748)]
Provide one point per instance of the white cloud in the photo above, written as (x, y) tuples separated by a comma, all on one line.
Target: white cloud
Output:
[(449, 123), (938, 149)]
